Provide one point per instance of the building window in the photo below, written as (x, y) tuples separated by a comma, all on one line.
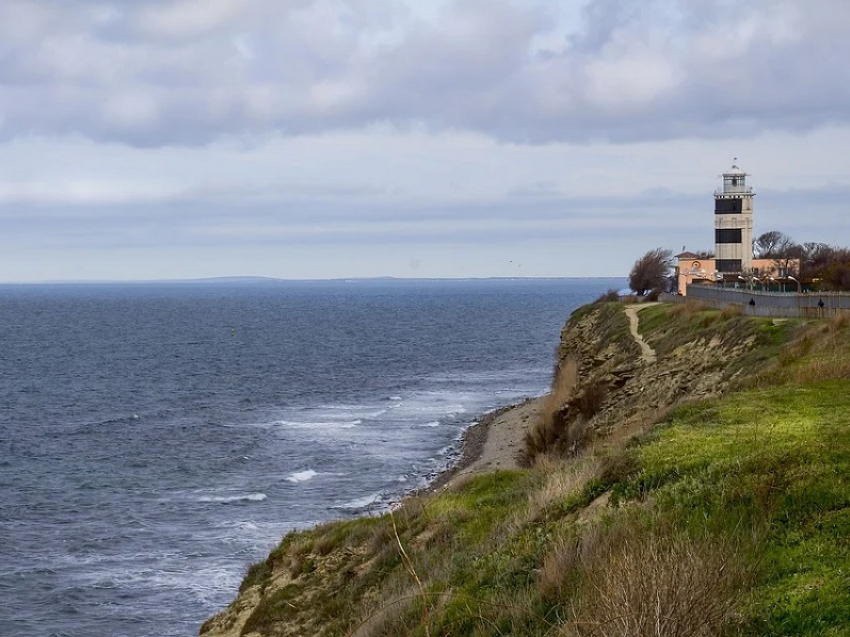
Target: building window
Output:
[(727, 235), (728, 206), (728, 265)]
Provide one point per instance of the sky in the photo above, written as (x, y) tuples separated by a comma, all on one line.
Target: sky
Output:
[(172, 139)]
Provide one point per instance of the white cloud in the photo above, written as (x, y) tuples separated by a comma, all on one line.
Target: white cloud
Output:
[(182, 19), (189, 72)]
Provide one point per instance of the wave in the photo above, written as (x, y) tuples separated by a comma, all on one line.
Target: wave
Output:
[(365, 502), (226, 499), (295, 424), (301, 476)]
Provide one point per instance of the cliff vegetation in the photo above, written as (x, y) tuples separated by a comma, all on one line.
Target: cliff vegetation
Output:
[(690, 476)]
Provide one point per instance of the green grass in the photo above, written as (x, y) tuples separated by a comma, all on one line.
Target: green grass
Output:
[(775, 462)]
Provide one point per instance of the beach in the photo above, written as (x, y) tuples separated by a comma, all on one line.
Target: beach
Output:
[(494, 443)]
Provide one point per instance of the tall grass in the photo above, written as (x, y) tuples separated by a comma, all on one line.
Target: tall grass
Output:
[(651, 582), (544, 435)]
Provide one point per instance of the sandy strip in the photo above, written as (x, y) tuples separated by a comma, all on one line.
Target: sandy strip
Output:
[(495, 442)]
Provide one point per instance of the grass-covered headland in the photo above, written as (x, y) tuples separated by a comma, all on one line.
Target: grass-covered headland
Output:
[(721, 506)]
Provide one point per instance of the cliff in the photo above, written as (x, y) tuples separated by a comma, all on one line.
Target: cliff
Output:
[(691, 477)]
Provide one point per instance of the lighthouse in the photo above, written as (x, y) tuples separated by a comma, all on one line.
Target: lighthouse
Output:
[(733, 223)]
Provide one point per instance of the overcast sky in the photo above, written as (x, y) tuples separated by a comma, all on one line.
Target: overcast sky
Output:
[(150, 139)]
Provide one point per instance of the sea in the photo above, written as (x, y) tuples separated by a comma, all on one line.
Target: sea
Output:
[(158, 438)]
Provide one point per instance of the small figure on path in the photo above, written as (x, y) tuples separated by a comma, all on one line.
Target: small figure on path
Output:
[(752, 302), (820, 303)]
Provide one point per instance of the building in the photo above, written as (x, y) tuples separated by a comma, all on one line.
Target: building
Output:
[(733, 223), (733, 264)]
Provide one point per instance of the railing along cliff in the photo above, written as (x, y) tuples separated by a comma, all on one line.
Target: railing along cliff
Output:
[(771, 304)]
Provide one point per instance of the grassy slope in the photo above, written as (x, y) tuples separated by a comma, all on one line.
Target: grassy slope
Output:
[(731, 514)]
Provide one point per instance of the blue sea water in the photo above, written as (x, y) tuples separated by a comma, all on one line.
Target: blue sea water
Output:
[(156, 439)]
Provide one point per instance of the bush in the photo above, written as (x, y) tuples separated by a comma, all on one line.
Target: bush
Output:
[(589, 401), (610, 296), (648, 582)]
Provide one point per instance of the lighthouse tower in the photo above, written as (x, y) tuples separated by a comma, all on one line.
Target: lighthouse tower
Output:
[(733, 223)]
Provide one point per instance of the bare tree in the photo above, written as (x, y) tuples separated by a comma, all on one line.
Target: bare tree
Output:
[(772, 245), (829, 264), (651, 272)]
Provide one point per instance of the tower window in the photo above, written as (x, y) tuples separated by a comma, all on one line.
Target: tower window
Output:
[(727, 235), (728, 206)]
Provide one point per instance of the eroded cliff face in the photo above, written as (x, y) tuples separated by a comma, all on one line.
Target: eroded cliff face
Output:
[(688, 355)]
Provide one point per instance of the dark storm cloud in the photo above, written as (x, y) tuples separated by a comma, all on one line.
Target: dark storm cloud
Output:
[(190, 71)]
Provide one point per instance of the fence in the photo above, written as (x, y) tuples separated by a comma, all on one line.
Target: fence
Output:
[(770, 304)]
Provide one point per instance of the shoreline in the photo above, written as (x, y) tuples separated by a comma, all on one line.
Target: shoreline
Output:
[(493, 443)]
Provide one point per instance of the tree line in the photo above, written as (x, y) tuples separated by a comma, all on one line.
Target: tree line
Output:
[(828, 264)]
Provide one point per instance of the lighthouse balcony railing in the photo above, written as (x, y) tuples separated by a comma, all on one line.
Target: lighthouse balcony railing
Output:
[(734, 190)]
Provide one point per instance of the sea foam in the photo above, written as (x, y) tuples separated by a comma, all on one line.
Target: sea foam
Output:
[(301, 476), (226, 499)]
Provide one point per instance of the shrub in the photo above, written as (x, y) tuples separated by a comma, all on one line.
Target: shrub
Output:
[(256, 574), (608, 297), (648, 582), (543, 436), (589, 401)]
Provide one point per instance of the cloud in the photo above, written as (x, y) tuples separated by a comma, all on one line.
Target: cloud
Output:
[(189, 72)]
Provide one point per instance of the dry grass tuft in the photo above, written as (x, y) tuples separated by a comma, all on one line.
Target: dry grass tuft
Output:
[(560, 569), (589, 401), (565, 415), (561, 480), (544, 436), (818, 352), (642, 582), (688, 309), (838, 323), (731, 311), (390, 618)]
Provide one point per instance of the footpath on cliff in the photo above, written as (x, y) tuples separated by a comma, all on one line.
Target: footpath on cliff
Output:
[(497, 441)]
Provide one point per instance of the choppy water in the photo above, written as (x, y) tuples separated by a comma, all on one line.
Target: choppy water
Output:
[(156, 439)]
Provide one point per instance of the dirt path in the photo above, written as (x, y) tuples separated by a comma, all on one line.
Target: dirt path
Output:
[(647, 353)]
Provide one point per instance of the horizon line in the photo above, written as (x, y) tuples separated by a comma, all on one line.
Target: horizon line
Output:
[(271, 280)]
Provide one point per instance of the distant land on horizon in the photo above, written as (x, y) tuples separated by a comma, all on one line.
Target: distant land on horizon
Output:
[(260, 280)]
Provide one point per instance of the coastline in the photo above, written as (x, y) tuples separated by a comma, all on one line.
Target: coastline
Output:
[(493, 443)]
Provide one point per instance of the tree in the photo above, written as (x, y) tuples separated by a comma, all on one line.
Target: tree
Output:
[(651, 272), (772, 245), (829, 264)]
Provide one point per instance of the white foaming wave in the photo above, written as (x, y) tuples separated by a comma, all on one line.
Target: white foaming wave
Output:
[(225, 499), (348, 411), (361, 503), (241, 525), (434, 423), (296, 424), (208, 584), (301, 476)]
